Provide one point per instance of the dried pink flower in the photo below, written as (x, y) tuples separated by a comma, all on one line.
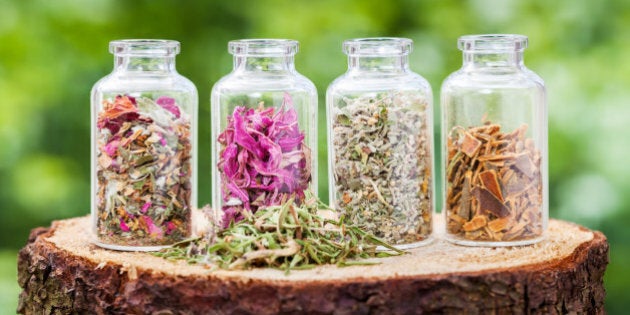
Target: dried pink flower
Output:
[(123, 225), (170, 227), (152, 229), (169, 104), (163, 140), (263, 160), (115, 114), (146, 207), (111, 147)]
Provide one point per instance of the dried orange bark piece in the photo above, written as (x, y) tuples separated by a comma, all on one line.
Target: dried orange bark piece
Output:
[(464, 210), (470, 145), (476, 223), (507, 156), (489, 203), (498, 225), (491, 183)]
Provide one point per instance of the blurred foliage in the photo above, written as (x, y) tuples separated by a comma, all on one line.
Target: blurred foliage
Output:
[(51, 52), (8, 282)]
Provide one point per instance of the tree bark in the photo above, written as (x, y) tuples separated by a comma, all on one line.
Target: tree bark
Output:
[(61, 272)]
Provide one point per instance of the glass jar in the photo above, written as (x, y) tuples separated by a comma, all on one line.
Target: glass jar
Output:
[(380, 142), (264, 130), (144, 135), (494, 142)]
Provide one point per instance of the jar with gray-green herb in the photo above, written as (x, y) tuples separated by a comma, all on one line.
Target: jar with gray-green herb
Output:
[(380, 142)]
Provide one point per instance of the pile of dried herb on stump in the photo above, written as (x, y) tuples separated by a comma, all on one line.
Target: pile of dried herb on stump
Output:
[(289, 236)]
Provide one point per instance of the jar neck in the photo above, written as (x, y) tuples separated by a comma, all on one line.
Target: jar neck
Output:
[(267, 64), (493, 59), (381, 64), (143, 63)]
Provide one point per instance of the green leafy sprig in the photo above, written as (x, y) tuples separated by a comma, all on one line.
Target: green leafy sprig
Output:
[(288, 237)]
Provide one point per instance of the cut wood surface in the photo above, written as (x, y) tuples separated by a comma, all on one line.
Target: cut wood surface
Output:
[(61, 272)]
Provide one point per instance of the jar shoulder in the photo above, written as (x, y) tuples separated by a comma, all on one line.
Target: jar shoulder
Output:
[(354, 82), (263, 82), (145, 82), (522, 78)]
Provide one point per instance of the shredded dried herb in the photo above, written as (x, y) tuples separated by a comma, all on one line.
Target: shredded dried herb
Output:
[(143, 171), (287, 236), (494, 190), (382, 165), (263, 159)]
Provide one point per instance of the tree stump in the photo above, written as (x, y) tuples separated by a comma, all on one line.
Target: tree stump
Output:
[(61, 272)]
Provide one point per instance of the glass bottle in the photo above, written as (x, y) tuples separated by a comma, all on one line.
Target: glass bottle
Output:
[(264, 130), (380, 142), (144, 139), (494, 142)]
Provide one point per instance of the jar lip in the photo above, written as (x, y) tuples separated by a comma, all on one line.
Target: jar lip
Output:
[(144, 47), (378, 46), (492, 42), (264, 47)]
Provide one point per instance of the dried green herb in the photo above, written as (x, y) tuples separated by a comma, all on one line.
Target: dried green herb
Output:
[(144, 172), (382, 165), (288, 236)]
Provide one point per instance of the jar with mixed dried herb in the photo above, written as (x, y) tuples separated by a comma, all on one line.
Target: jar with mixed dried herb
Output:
[(380, 142), (264, 130), (494, 142), (143, 149)]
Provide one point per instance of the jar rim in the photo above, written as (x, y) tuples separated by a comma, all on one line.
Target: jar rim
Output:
[(144, 47), (264, 47), (492, 42), (378, 46)]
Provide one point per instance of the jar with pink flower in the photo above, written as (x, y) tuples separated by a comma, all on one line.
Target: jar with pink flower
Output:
[(264, 130)]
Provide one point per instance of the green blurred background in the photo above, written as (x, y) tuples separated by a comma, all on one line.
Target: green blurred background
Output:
[(52, 52)]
